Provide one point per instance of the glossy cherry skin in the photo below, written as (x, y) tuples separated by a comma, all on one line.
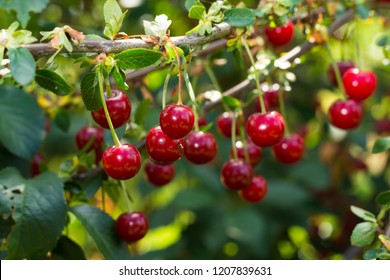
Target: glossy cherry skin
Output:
[(176, 121), (271, 94), (119, 108), (290, 149), (343, 67), (254, 152), (157, 174), (236, 174), (200, 147), (265, 129), (346, 114), (85, 134), (359, 85), (38, 160), (132, 226), (224, 124), (122, 162), (280, 35), (162, 149), (256, 191)]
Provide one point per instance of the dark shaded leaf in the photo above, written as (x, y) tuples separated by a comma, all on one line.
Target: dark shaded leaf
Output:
[(62, 120), (383, 198), (50, 80), (90, 91), (67, 249), (381, 145), (137, 58)]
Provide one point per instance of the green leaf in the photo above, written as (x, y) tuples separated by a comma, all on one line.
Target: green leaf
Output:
[(141, 112), (280, 10), (373, 253), (239, 17), (23, 8), (383, 41), (21, 122), (197, 12), (119, 77), (101, 227), (363, 214), (22, 65), (383, 198), (90, 91), (62, 120), (362, 11), (189, 3), (232, 102), (137, 58), (50, 80), (11, 190), (263, 10), (113, 17), (381, 145), (363, 234), (67, 249), (39, 219)]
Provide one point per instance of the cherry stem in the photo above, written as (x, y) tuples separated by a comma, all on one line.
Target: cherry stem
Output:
[(282, 106), (242, 135), (127, 196), (252, 60), (165, 88), (335, 69), (106, 113), (179, 66), (191, 93), (233, 137)]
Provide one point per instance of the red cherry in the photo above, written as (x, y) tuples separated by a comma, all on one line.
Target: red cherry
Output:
[(254, 152), (343, 67), (36, 164), (345, 114), (265, 129), (162, 149), (383, 126), (271, 94), (176, 121), (121, 162), (280, 35), (267, 105), (256, 191), (200, 147), (202, 121), (224, 124), (236, 174), (119, 108), (132, 226), (290, 149), (86, 134), (359, 85), (157, 174)]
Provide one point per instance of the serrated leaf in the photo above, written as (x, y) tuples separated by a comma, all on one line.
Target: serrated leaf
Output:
[(113, 17), (23, 8), (137, 58), (21, 122), (50, 80), (90, 91), (22, 65), (363, 214), (232, 102), (239, 17), (381, 145), (39, 219), (101, 227), (383, 198), (197, 12), (11, 191), (119, 77), (141, 112), (363, 234)]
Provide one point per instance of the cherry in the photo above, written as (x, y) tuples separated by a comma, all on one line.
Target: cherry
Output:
[(121, 162), (202, 121), (280, 35), (256, 191), (224, 124), (271, 93), (200, 147), (383, 126), (359, 85), (345, 114), (132, 226), (290, 149), (36, 164), (119, 108), (254, 152), (265, 129), (343, 67), (236, 174), (86, 134), (158, 174), (176, 121), (162, 149)]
